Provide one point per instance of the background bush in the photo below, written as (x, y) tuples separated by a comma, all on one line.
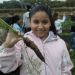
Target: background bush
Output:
[(66, 35)]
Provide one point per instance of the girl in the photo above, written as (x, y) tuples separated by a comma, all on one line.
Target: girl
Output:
[(43, 34)]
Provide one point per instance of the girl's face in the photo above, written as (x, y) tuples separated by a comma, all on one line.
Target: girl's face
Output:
[(40, 24)]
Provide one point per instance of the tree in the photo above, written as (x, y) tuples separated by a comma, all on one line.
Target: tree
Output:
[(1, 5), (70, 0)]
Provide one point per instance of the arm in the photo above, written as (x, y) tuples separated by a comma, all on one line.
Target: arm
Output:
[(10, 58), (63, 19), (67, 64), (6, 59)]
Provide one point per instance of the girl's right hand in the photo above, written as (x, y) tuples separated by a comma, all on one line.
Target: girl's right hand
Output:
[(11, 39)]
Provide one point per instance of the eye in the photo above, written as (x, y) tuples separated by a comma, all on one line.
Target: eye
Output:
[(45, 22), (36, 21)]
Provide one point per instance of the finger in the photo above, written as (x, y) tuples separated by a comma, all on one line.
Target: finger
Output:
[(20, 33)]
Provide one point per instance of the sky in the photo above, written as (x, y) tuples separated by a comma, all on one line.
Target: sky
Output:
[(1, 1)]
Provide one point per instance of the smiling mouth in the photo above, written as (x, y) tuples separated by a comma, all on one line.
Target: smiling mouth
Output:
[(40, 31)]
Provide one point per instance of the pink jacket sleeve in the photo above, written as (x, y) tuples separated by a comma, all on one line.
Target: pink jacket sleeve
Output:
[(10, 57), (67, 64)]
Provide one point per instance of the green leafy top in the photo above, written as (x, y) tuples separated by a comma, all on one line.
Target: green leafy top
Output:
[(6, 26)]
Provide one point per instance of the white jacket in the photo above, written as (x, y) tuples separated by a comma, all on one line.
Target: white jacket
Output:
[(58, 24), (26, 19)]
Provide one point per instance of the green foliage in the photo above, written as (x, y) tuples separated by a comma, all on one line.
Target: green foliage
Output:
[(66, 37), (1, 5), (5, 26), (67, 25), (16, 4), (11, 4)]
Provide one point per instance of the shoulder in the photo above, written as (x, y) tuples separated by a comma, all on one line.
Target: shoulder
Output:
[(15, 25), (28, 34), (26, 13), (60, 44), (61, 41)]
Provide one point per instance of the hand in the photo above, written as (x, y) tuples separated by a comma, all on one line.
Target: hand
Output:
[(11, 39)]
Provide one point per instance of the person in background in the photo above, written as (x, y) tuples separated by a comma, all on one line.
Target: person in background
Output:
[(9, 19), (58, 22), (26, 19), (14, 53), (18, 23), (73, 16)]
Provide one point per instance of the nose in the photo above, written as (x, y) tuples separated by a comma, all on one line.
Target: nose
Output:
[(40, 25)]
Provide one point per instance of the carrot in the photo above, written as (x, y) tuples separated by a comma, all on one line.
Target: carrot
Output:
[(31, 44)]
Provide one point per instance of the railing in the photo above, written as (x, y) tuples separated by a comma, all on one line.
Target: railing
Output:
[(60, 10)]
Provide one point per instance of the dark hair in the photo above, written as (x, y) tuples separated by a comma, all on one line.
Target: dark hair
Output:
[(55, 16), (16, 18), (28, 7), (9, 19), (45, 8)]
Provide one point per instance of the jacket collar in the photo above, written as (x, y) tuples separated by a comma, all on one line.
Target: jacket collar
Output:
[(51, 37)]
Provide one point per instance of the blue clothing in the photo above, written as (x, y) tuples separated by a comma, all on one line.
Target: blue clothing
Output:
[(17, 27)]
